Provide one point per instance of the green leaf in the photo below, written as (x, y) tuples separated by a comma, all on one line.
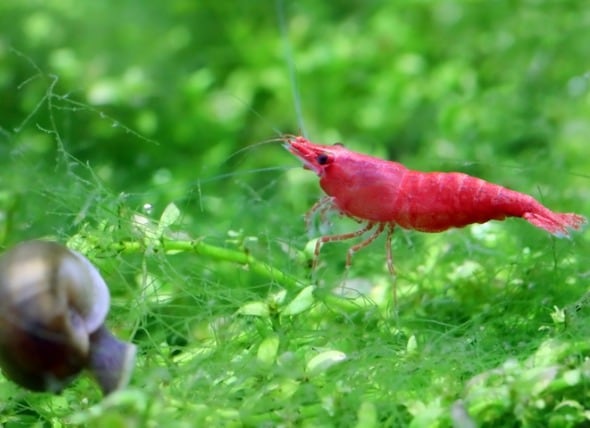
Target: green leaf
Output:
[(323, 361), (170, 216), (301, 302), (426, 414), (412, 345), (278, 298), (267, 351), (367, 415), (257, 309)]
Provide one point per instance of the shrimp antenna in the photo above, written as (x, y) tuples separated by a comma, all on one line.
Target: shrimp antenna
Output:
[(261, 143), (288, 52)]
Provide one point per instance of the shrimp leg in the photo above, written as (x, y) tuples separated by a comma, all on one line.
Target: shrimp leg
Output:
[(378, 230), (321, 208), (388, 250), (345, 236), (390, 265)]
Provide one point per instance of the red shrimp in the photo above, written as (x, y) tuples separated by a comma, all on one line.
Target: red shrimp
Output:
[(384, 194)]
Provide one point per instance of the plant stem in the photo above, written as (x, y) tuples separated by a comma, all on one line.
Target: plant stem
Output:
[(216, 253)]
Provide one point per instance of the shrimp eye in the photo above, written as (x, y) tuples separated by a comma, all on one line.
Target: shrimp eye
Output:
[(322, 159)]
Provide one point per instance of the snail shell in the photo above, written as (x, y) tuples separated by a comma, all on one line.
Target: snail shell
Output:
[(53, 304)]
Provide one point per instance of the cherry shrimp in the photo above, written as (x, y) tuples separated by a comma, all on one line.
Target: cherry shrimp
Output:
[(384, 194)]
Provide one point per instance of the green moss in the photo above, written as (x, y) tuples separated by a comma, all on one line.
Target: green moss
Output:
[(137, 133)]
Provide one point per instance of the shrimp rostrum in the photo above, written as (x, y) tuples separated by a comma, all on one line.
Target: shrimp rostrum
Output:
[(383, 194)]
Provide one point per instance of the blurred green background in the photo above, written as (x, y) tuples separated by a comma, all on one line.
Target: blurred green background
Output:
[(156, 97), (115, 108)]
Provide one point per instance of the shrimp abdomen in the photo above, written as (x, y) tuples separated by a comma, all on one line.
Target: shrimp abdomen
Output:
[(433, 202)]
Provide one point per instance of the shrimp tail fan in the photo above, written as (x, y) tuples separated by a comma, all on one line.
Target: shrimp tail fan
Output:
[(557, 224)]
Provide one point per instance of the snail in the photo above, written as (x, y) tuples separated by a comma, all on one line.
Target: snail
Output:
[(53, 304)]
